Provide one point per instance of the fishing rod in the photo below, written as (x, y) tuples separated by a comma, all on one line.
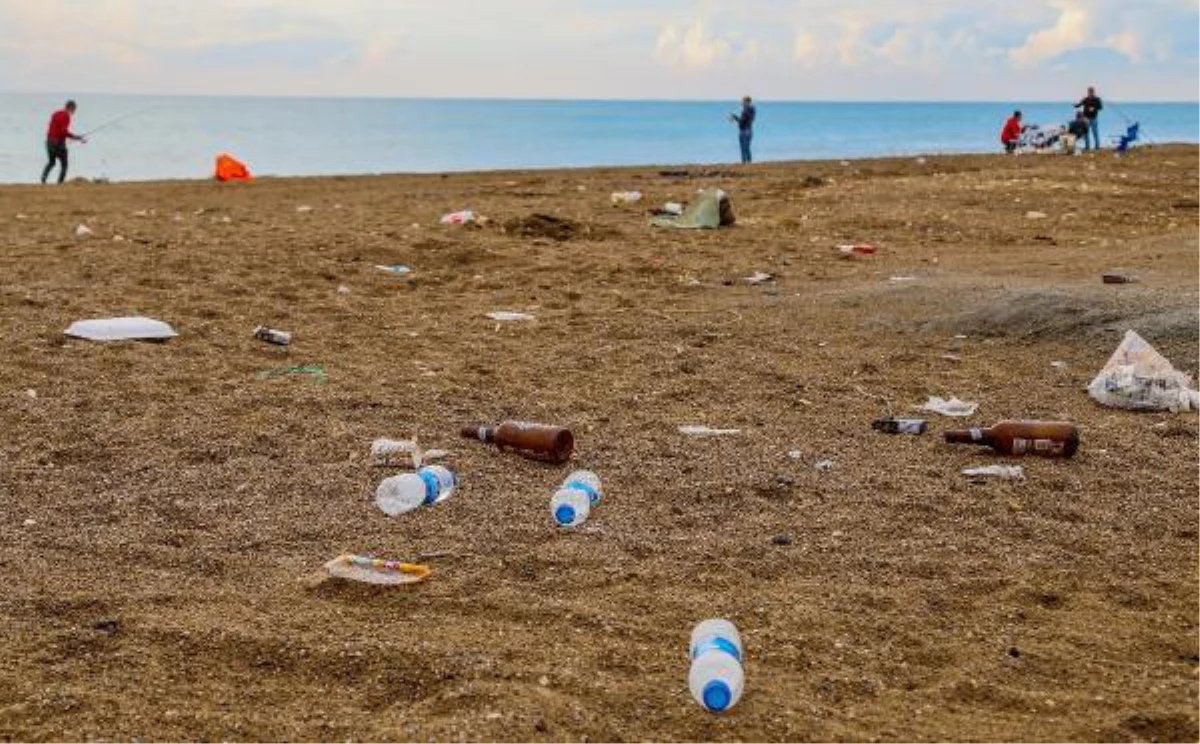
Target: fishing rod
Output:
[(117, 120)]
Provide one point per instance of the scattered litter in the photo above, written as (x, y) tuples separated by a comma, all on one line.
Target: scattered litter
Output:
[(960, 336), (29, 523), (893, 425), (824, 465), (1005, 472), (82, 231), (31, 394), (304, 208), (1137, 377), (951, 407), (759, 277), (782, 539), (902, 278), (118, 238), (384, 450), (698, 430), (625, 197), (463, 217), (141, 213), (376, 571), (795, 454), (272, 336), (921, 161), (317, 372), (674, 208), (402, 493), (21, 216), (225, 219), (709, 210), (850, 250), (1118, 277), (1058, 365), (1036, 215), (504, 315), (395, 268), (121, 329), (343, 289), (952, 357)]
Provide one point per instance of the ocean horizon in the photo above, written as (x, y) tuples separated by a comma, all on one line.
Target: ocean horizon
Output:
[(142, 137)]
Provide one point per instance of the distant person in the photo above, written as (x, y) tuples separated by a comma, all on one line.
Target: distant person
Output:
[(1091, 106), (57, 135), (1076, 130), (745, 122), (1011, 132)]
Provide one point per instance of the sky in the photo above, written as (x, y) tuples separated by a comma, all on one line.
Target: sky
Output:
[(993, 50)]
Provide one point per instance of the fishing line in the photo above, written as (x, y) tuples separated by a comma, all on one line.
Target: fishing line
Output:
[(118, 119)]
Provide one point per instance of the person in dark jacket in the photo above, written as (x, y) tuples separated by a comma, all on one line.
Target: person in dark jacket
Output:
[(745, 122), (1091, 105), (57, 134)]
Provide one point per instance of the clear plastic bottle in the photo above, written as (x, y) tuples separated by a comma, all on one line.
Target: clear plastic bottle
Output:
[(574, 499), (716, 677), (401, 493)]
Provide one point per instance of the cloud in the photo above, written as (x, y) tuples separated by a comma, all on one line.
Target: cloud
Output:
[(1072, 31), (692, 46)]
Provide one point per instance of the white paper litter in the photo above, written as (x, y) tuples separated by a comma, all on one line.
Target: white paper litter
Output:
[(1006, 472), (951, 407), (372, 571), (824, 466), (504, 315), (1137, 377), (1035, 215), (699, 430), (82, 231), (120, 329), (304, 208), (384, 452), (395, 268), (759, 277)]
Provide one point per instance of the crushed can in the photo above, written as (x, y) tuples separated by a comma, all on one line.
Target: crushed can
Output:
[(893, 425), (272, 336)]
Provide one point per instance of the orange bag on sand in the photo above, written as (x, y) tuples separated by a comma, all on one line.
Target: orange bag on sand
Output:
[(230, 168)]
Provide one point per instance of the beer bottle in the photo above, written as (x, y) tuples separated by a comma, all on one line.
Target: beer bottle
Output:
[(1045, 438), (535, 441)]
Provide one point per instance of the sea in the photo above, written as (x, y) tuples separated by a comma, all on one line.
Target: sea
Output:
[(138, 138)]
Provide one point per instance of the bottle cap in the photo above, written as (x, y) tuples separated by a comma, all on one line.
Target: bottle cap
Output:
[(717, 696), (564, 514)]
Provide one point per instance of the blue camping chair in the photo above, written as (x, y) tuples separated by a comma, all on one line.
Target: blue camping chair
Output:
[(1127, 139)]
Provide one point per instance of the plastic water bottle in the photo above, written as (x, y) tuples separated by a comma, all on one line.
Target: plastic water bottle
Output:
[(574, 499), (716, 677), (401, 493)]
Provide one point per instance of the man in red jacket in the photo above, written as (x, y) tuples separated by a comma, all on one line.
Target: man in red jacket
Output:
[(1011, 132), (57, 135)]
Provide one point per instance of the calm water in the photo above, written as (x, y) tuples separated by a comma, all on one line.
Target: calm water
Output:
[(178, 137)]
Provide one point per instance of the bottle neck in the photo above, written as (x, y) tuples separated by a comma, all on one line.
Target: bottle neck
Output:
[(482, 433), (974, 435)]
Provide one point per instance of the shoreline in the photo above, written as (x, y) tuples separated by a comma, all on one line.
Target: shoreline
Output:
[(729, 167)]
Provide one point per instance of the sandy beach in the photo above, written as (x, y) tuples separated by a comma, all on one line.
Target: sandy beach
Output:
[(165, 509)]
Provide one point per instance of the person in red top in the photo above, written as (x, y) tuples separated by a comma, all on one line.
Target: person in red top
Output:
[(1011, 132), (57, 135)]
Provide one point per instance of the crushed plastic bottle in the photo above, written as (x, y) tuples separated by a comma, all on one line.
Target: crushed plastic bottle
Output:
[(402, 493), (716, 677), (573, 501)]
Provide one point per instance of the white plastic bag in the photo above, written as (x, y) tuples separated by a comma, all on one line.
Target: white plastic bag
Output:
[(1139, 378), (121, 329)]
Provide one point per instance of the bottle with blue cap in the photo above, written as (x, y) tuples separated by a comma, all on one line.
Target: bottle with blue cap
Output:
[(716, 677), (574, 499), (426, 487)]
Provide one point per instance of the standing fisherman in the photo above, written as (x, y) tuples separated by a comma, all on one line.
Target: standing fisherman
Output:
[(745, 122), (57, 135)]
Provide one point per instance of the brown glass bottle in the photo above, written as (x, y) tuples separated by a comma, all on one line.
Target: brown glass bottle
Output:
[(535, 441), (1044, 438)]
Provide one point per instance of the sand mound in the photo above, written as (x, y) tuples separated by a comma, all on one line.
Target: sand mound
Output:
[(1057, 313), (548, 226)]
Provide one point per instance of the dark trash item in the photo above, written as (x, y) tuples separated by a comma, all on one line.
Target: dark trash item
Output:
[(535, 441), (1118, 277), (1045, 438), (893, 425)]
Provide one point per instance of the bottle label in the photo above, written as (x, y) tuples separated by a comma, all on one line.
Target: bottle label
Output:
[(716, 643), (592, 494), (976, 434), (433, 485), (1048, 447), (484, 433), (1020, 446)]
